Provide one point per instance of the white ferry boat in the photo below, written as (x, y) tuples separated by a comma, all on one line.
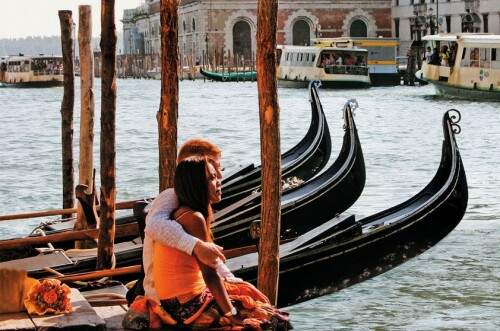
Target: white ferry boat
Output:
[(463, 65), (333, 66), (33, 71)]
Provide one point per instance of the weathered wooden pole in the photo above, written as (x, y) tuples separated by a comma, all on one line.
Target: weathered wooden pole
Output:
[(167, 114), (105, 247), (270, 148), (86, 108), (66, 21)]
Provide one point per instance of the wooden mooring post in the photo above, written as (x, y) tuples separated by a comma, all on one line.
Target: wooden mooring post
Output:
[(86, 164), (267, 280), (167, 114), (105, 247), (67, 106)]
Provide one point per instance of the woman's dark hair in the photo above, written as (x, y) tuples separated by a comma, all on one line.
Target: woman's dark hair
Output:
[(191, 185)]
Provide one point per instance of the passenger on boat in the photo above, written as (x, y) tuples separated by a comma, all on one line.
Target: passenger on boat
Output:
[(428, 54), (435, 57), (349, 60), (339, 61), (444, 56), (160, 227), (453, 54), (474, 57), (192, 293)]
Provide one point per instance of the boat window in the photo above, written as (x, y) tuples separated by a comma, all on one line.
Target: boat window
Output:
[(484, 57), (495, 58), (470, 57), (474, 57)]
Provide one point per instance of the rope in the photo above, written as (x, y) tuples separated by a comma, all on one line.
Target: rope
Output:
[(44, 223)]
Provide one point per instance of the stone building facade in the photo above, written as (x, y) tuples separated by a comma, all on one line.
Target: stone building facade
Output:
[(414, 18), (231, 25)]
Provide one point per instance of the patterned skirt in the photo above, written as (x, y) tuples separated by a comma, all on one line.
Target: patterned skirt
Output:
[(254, 311)]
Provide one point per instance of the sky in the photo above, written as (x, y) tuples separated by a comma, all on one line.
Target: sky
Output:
[(22, 18)]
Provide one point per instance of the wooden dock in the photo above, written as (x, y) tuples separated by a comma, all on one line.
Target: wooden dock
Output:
[(83, 317)]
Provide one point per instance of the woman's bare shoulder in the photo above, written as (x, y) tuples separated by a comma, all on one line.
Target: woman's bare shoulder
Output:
[(193, 222)]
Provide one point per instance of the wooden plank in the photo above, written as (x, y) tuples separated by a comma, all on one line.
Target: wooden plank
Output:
[(16, 321), (37, 262), (124, 230), (44, 213), (112, 315), (101, 273), (83, 317)]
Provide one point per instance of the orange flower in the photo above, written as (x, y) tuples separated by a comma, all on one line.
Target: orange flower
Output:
[(50, 297)]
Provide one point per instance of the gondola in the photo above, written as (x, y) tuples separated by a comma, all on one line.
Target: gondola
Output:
[(358, 250), (303, 161), (343, 251), (314, 202), (241, 76)]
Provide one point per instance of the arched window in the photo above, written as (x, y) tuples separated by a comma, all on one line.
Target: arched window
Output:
[(193, 24), (301, 33), (242, 39), (471, 23), (358, 29)]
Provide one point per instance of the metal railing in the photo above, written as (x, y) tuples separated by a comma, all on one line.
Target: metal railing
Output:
[(346, 69)]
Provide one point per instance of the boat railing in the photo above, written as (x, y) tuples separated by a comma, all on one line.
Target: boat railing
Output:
[(47, 72), (346, 69)]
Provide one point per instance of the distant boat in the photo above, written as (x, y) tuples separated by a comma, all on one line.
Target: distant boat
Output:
[(154, 73), (471, 68), (33, 71), (237, 76), (333, 66)]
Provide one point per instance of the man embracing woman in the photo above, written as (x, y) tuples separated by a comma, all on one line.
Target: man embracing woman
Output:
[(185, 277)]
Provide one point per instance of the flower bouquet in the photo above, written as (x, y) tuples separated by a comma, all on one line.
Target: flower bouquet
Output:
[(48, 296)]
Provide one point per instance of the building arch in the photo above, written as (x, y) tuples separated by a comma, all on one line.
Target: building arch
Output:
[(301, 33), (358, 29), (242, 39), (300, 17), (471, 22), (232, 20), (363, 16)]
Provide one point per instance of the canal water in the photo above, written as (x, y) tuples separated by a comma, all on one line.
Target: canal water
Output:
[(453, 286)]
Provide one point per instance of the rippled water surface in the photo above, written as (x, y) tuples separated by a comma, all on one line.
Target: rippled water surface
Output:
[(453, 286)]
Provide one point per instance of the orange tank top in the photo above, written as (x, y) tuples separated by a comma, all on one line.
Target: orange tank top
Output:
[(176, 274)]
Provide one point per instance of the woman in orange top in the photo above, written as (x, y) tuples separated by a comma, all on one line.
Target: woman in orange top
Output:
[(191, 292)]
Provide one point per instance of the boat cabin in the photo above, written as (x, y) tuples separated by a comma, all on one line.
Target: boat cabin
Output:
[(468, 60), (34, 70), (329, 64)]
